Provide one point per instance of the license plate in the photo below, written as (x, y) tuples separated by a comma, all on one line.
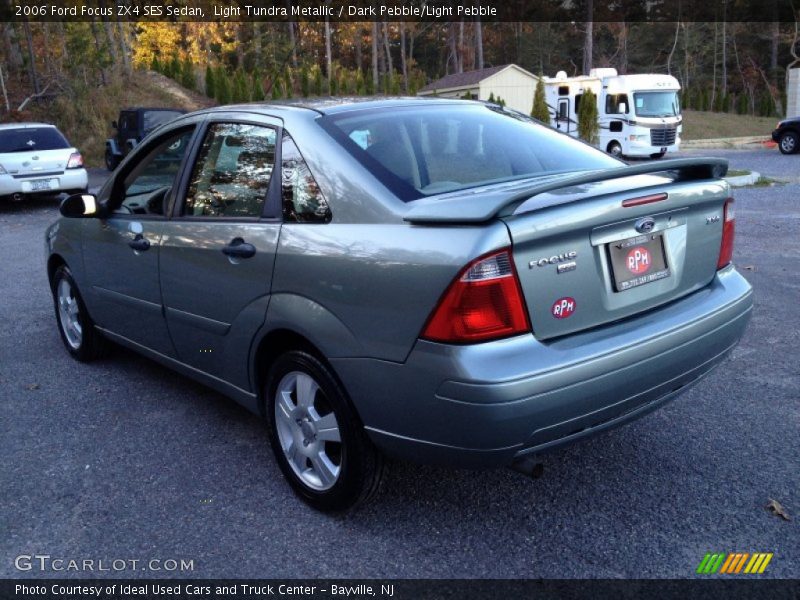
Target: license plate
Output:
[(638, 261), (40, 184), (663, 150)]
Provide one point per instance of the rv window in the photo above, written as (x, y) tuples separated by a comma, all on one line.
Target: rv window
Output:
[(613, 102), (563, 90), (578, 103)]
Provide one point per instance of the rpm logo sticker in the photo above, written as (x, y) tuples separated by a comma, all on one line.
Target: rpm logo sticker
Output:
[(563, 307), (638, 260)]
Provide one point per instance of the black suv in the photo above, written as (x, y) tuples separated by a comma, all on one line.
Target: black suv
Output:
[(133, 125), (787, 134)]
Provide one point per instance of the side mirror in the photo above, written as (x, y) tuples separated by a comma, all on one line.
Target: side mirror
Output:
[(623, 108), (79, 206), (114, 124)]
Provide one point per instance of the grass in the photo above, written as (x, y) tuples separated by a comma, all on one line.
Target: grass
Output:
[(737, 172), (707, 125), (85, 115)]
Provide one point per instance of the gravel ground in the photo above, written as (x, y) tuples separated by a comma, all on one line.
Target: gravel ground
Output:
[(123, 459)]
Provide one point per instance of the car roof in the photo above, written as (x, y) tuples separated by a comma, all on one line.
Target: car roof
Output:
[(331, 105), (152, 109), (25, 125)]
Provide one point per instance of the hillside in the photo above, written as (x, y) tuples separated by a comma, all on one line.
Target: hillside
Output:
[(701, 125), (85, 117)]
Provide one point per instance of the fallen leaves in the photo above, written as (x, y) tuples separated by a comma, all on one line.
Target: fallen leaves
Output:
[(776, 508)]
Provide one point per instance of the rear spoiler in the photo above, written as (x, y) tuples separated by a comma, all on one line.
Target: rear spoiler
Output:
[(479, 206)]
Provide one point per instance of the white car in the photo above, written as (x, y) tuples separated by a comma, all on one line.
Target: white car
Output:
[(36, 158)]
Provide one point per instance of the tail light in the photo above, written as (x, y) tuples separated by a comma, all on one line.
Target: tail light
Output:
[(728, 231), (75, 161), (483, 303)]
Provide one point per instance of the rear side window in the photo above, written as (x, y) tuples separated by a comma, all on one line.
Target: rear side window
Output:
[(31, 139), (301, 197), (232, 173), (422, 151)]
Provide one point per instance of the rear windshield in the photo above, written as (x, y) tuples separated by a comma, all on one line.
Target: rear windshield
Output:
[(422, 151), (154, 118), (29, 139)]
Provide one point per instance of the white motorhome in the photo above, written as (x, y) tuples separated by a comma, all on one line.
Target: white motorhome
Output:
[(640, 115)]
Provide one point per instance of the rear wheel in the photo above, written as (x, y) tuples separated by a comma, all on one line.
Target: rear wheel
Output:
[(317, 438), (789, 142), (75, 325), (111, 160)]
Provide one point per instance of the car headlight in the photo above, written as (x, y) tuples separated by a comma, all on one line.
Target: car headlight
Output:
[(639, 138)]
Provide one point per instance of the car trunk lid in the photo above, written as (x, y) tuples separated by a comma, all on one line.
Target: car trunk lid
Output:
[(596, 253)]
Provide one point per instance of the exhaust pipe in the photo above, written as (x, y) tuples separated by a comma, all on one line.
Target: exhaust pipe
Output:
[(528, 466), (17, 197)]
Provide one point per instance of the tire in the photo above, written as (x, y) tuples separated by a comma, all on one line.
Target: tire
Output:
[(81, 339), (789, 142), (615, 149), (111, 160), (307, 410)]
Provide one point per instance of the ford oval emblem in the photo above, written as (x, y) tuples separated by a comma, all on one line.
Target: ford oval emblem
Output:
[(645, 224)]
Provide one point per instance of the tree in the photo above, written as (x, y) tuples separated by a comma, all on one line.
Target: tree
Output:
[(188, 77), (222, 87), (588, 125), (210, 82), (257, 90), (540, 110)]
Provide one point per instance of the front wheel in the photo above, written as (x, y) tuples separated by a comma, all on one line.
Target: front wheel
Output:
[(789, 143), (75, 325), (317, 438), (615, 149)]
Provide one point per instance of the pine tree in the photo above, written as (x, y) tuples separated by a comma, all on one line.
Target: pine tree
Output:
[(155, 64), (188, 77), (257, 89), (318, 82), (361, 89), (222, 87), (304, 83), (210, 90), (491, 98), (540, 110), (240, 91), (588, 125), (276, 88)]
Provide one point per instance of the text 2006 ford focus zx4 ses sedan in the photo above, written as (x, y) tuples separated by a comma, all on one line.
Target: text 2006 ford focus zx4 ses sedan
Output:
[(434, 280)]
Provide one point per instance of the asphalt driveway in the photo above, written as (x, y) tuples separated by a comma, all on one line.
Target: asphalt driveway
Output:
[(123, 459)]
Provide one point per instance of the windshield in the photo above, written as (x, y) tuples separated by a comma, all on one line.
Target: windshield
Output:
[(657, 104), (154, 118), (422, 151), (29, 139)]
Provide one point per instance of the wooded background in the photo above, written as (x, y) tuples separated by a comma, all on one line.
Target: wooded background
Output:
[(79, 74), (721, 66)]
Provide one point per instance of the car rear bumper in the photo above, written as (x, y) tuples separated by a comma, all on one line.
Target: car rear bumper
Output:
[(69, 180), (488, 404)]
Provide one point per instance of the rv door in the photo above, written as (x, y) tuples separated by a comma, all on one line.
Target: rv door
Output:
[(562, 118)]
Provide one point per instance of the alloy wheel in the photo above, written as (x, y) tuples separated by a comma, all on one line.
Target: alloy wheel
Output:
[(308, 431)]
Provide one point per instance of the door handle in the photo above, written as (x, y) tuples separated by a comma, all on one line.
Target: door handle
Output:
[(238, 248), (139, 243)]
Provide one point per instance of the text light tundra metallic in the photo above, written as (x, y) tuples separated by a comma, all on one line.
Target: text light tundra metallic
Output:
[(357, 273)]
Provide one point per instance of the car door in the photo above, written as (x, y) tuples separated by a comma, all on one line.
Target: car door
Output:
[(121, 252), (218, 251)]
